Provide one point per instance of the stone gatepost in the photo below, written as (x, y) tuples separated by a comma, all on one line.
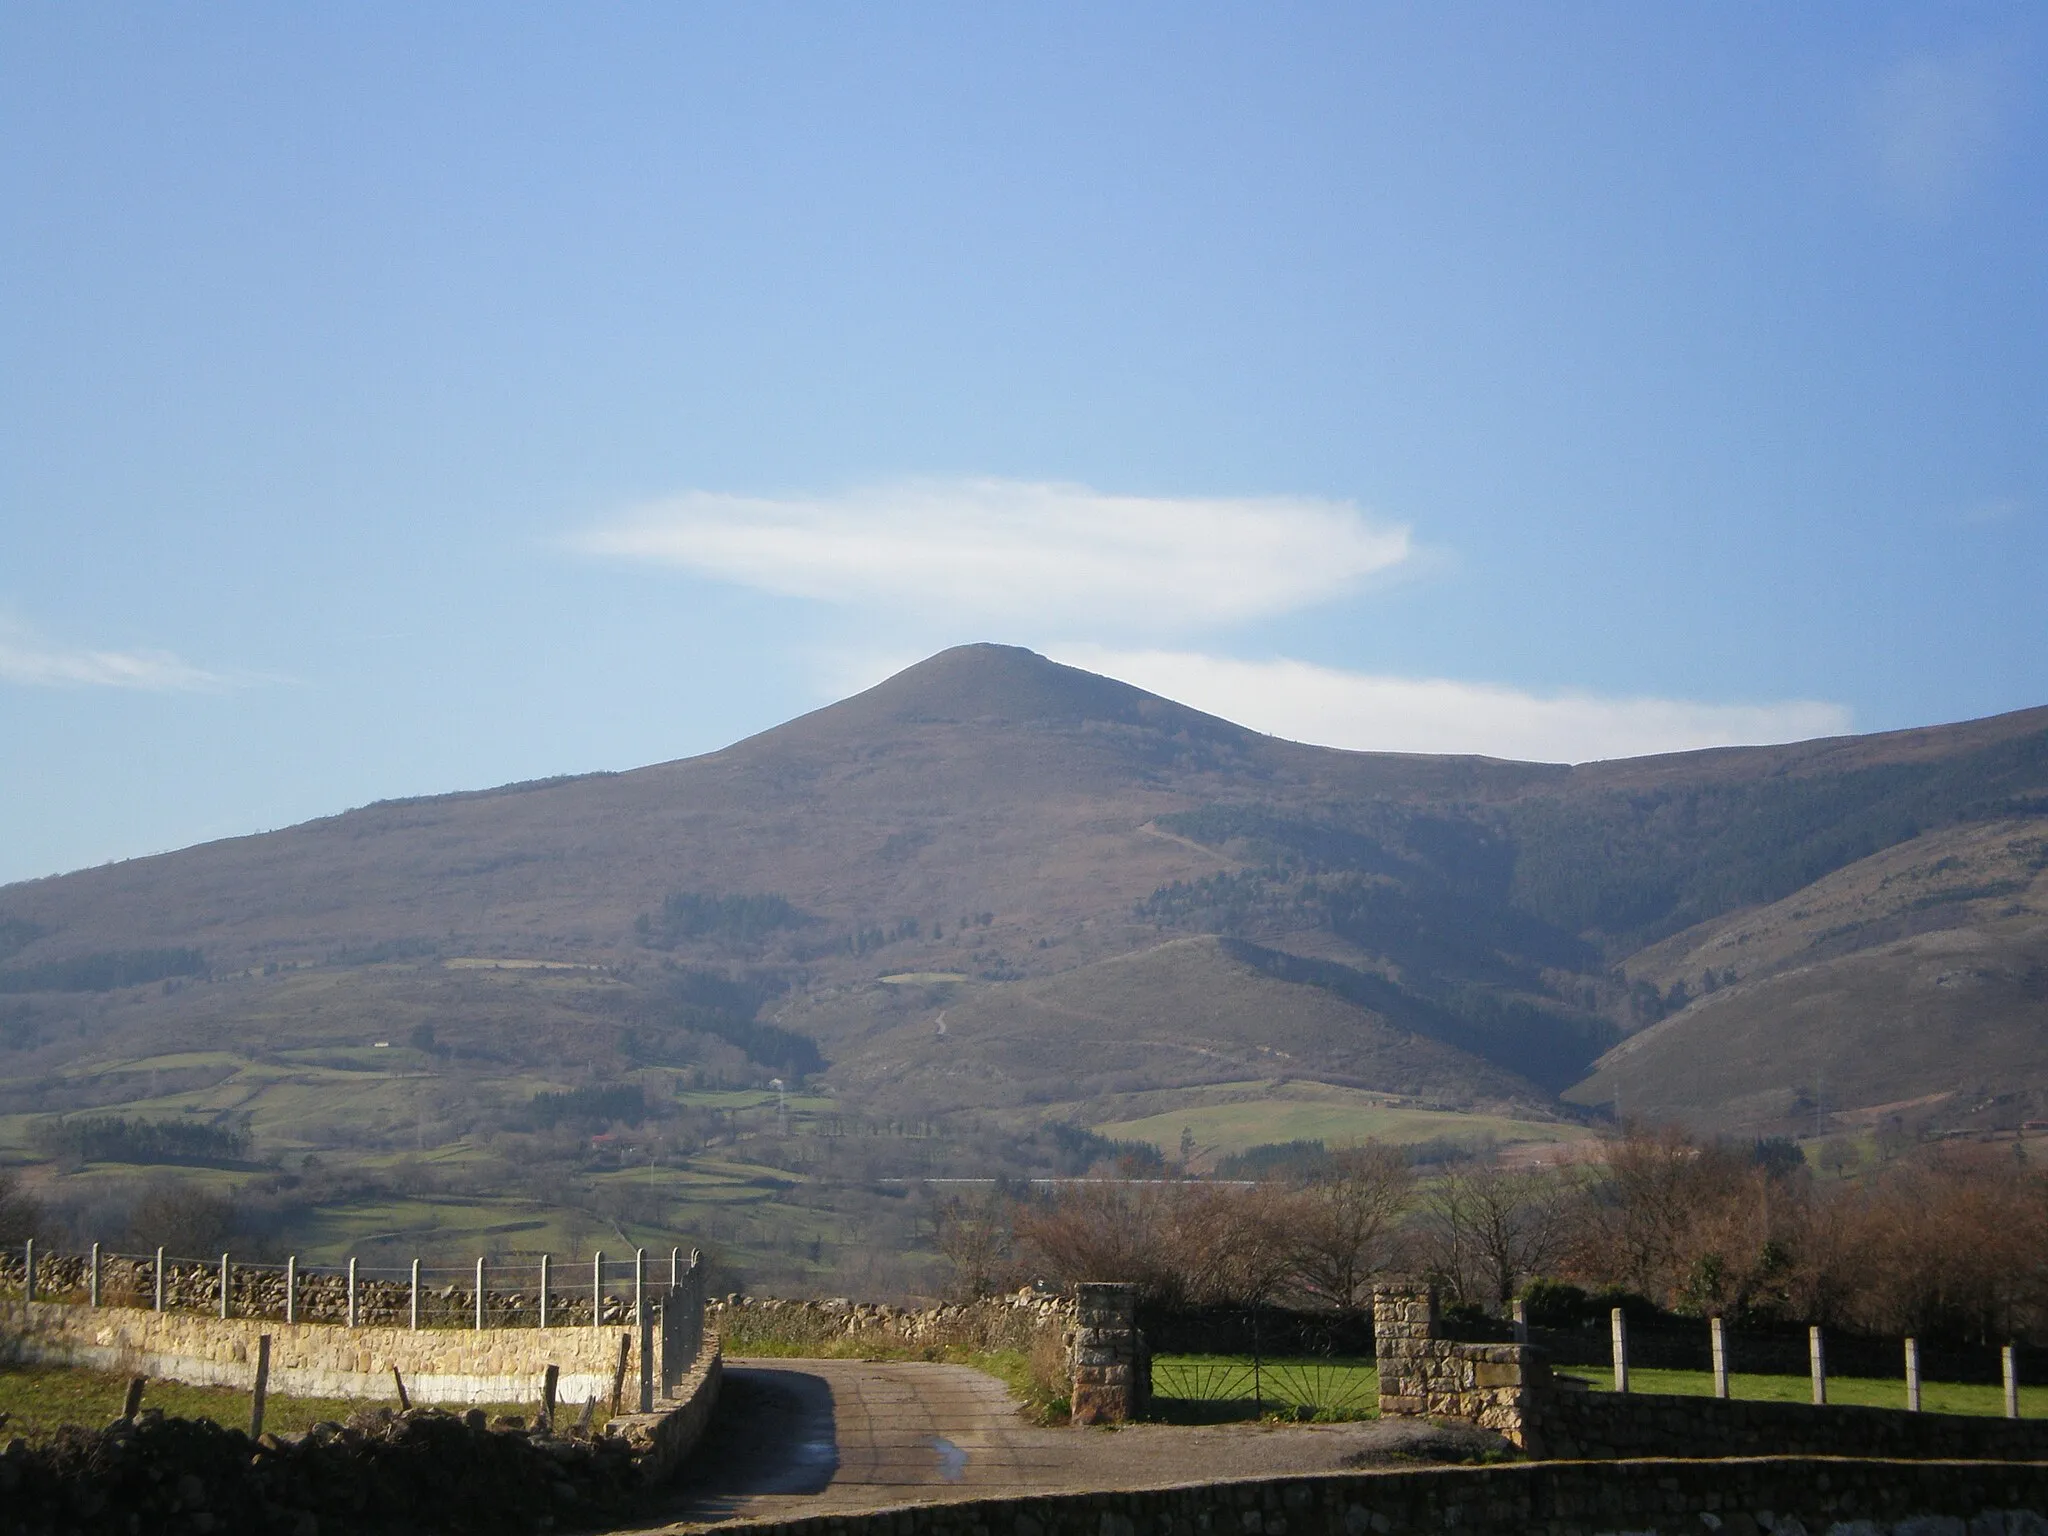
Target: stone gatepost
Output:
[(1502, 1387), (1112, 1371), (1403, 1322)]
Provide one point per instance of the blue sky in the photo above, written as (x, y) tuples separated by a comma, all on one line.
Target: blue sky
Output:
[(401, 398)]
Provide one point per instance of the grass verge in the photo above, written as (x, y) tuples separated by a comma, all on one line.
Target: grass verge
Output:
[(36, 1400), (1858, 1391)]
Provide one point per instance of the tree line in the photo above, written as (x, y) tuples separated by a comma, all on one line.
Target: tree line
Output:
[(1952, 1245)]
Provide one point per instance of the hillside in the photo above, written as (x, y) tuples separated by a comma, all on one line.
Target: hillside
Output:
[(1103, 896), (1911, 985)]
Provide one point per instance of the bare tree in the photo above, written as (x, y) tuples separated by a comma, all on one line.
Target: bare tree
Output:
[(182, 1216), (1487, 1228), (1233, 1245), (973, 1233), (20, 1212), (1345, 1222), (1104, 1230), (1177, 1243)]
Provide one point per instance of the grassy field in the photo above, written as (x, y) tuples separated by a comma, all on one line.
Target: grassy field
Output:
[(1240, 1116), (1201, 1387), (35, 1400), (1857, 1391), (1194, 1389)]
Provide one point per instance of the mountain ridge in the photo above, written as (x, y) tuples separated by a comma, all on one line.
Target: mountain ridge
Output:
[(993, 815)]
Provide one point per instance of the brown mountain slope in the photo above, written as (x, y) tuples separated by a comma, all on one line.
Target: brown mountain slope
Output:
[(969, 782), (1917, 975), (992, 815), (1187, 1012)]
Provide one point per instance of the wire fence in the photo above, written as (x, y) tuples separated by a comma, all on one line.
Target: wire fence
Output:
[(599, 1290)]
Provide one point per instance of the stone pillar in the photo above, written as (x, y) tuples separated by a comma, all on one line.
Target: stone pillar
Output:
[(1403, 1323), (1112, 1375), (1503, 1387)]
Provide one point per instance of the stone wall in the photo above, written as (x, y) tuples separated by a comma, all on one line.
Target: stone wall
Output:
[(258, 1290), (1604, 1424), (1496, 1386), (1013, 1321), (662, 1440), (440, 1365), (1786, 1496), (1111, 1372), (1509, 1388), (380, 1473)]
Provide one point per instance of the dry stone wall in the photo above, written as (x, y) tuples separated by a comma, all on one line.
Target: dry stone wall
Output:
[(1013, 1321), (322, 1295), (1771, 1496), (1496, 1386), (1609, 1424)]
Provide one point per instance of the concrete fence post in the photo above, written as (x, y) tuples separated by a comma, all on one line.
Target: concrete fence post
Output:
[(1620, 1321), (1912, 1375), (675, 1268), (1717, 1335), (2009, 1361), (1521, 1321), (28, 1272), (353, 1315), (597, 1289), (227, 1275), (291, 1288), (695, 1342), (262, 1387), (95, 1293), (159, 1280), (415, 1313), (1817, 1356), (643, 1320), (479, 1295), (544, 1283)]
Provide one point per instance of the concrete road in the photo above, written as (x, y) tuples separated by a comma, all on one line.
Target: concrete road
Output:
[(800, 1437)]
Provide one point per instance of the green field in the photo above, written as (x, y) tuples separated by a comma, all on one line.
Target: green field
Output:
[(1208, 1388), (1240, 1116), (35, 1400), (1197, 1387), (1856, 1391)]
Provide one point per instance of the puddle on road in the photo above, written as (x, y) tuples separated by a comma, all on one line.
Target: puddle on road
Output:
[(952, 1459), (815, 1453)]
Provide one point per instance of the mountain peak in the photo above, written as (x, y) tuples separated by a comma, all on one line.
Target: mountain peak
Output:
[(1017, 686)]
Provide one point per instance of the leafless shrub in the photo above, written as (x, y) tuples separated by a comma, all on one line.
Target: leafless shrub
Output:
[(1178, 1242)]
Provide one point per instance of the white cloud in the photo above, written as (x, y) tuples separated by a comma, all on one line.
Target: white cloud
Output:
[(29, 660), (1000, 550), (1303, 702), (1934, 119)]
